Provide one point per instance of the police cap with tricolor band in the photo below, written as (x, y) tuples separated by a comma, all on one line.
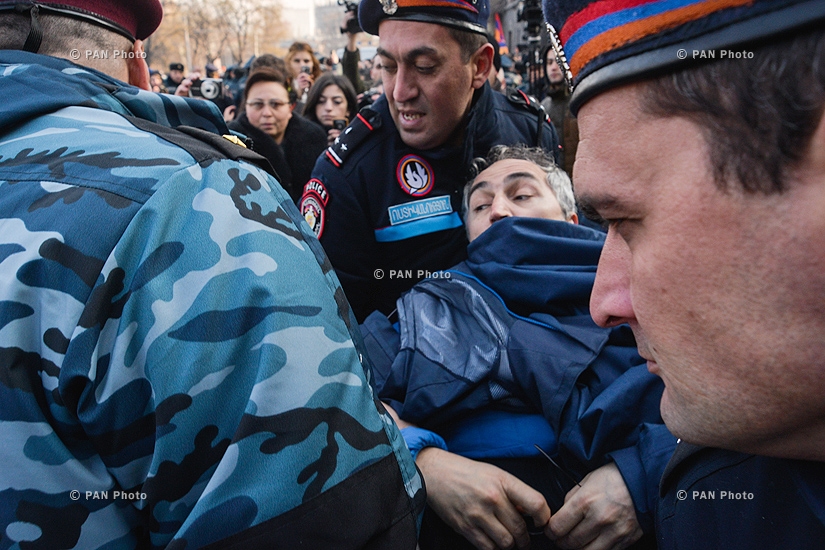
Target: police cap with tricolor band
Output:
[(135, 19), (607, 43), (468, 15)]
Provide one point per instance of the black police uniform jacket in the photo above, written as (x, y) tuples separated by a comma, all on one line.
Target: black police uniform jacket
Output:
[(388, 214)]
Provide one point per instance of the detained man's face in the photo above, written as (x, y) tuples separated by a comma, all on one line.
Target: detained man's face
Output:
[(510, 188), (428, 87), (725, 291)]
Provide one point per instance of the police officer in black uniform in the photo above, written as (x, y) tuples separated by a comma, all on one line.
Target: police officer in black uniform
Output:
[(174, 78), (385, 198)]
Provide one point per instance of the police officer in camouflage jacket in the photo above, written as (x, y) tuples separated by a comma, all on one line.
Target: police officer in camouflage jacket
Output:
[(177, 365)]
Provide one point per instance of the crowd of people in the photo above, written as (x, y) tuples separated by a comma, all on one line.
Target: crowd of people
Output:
[(361, 303), (329, 92)]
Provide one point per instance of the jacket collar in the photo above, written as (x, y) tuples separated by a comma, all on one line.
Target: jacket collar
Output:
[(537, 262)]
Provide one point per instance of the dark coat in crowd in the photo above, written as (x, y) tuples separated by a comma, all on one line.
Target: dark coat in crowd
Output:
[(556, 102)]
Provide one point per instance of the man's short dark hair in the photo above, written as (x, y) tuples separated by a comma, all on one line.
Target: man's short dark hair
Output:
[(468, 42), (60, 34), (758, 114)]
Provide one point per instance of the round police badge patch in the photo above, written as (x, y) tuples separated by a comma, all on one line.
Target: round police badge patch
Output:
[(415, 175), (313, 212), (312, 204)]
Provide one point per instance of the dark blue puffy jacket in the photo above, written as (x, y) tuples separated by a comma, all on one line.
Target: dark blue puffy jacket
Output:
[(509, 329)]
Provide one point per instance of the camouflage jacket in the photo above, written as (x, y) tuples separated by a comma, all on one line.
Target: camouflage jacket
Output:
[(177, 365)]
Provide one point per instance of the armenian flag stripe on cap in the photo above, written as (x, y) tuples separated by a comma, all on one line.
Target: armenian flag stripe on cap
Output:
[(607, 25)]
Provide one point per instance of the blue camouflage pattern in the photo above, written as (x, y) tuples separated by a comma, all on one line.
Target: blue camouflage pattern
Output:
[(174, 363)]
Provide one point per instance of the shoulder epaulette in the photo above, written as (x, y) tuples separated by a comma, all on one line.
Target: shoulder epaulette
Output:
[(365, 122), (531, 104), (528, 102)]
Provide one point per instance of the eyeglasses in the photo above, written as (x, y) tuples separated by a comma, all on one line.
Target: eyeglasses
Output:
[(257, 105)]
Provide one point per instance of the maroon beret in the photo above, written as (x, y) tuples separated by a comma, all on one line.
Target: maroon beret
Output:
[(136, 19)]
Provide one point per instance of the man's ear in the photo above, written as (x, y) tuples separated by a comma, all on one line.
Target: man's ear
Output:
[(482, 63), (138, 69)]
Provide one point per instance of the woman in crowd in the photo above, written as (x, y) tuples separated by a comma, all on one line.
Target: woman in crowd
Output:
[(290, 142), (304, 69), (331, 98)]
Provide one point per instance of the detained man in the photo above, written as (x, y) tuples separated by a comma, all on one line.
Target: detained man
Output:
[(497, 360)]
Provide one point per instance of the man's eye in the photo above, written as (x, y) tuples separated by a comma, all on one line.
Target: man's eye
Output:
[(480, 207), (425, 69), (522, 197), (591, 214), (620, 225)]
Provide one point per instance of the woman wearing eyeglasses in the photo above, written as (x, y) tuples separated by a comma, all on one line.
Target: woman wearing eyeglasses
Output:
[(290, 142)]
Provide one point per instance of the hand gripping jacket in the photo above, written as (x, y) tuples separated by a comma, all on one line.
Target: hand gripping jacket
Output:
[(177, 367), (388, 214)]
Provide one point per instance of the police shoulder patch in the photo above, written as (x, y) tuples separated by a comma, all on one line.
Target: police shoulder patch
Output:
[(365, 122), (312, 205)]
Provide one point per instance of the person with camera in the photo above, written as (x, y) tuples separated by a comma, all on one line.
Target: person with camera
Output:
[(288, 140), (304, 68), (385, 198), (352, 54), (331, 104), (210, 89)]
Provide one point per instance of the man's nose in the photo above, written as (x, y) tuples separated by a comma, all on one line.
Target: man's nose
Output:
[(405, 88), (610, 302), (499, 208)]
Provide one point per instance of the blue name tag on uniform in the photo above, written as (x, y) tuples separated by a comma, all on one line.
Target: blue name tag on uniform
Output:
[(418, 210)]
